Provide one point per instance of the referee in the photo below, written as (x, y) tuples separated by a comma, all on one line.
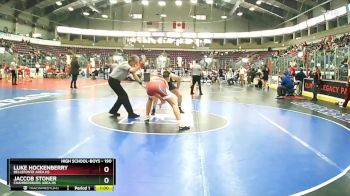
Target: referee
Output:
[(196, 77), (119, 73)]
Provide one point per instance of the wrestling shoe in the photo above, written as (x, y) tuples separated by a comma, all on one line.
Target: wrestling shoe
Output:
[(184, 128), (133, 115)]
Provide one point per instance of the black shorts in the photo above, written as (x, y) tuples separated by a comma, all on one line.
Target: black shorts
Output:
[(171, 86)]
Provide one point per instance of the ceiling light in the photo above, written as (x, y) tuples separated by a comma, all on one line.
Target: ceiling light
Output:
[(200, 17), (136, 16), (86, 13), (59, 3), (71, 9), (113, 2), (258, 2), (251, 8), (209, 2), (163, 15), (223, 17), (161, 3), (145, 2), (178, 3), (104, 16), (239, 14), (193, 1), (127, 1)]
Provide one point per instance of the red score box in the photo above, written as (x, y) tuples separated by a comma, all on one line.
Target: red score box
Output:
[(73, 169)]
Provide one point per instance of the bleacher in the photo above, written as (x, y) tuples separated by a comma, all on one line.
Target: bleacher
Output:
[(23, 48)]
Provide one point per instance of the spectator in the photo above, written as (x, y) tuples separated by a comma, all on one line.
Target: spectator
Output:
[(286, 87), (229, 77), (74, 72), (37, 66), (265, 77), (249, 76), (242, 72), (292, 70), (347, 96), (299, 78), (316, 82), (221, 73), (13, 69)]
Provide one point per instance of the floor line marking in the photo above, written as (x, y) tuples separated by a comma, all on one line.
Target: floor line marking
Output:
[(318, 153), (119, 122), (29, 192), (75, 147), (50, 101), (322, 184), (202, 167), (165, 134), (88, 86), (295, 111), (38, 102), (58, 100), (200, 149)]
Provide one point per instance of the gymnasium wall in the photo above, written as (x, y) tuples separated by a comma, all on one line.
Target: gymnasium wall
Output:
[(338, 3), (24, 24), (6, 23)]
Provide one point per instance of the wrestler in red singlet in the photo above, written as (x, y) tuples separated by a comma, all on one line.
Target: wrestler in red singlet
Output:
[(157, 86)]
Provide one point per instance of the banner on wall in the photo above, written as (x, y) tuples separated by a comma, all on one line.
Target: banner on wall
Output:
[(178, 25), (336, 89)]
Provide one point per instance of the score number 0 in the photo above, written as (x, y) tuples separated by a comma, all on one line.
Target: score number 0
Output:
[(106, 170)]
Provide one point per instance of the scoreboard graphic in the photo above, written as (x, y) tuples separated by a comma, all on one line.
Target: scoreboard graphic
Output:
[(67, 174)]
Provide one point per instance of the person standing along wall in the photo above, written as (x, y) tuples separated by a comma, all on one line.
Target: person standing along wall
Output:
[(347, 96), (74, 71), (265, 77), (13, 69), (299, 79), (242, 72), (37, 66), (316, 82)]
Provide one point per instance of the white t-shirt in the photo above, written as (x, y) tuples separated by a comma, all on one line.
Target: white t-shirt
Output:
[(120, 72), (196, 70), (229, 75), (242, 71)]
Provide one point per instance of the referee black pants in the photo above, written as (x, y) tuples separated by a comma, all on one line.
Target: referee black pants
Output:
[(14, 77), (194, 80), (123, 98)]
